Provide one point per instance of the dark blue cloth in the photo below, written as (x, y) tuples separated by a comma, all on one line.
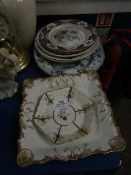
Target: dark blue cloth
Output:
[(9, 131)]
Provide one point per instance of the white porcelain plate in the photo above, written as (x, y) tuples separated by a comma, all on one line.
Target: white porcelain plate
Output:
[(67, 36), (65, 118), (64, 115)]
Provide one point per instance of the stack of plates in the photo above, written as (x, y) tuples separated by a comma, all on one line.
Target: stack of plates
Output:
[(68, 46)]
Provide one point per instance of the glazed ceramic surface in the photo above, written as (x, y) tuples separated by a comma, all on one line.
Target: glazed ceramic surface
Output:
[(65, 118), (62, 56), (90, 63), (8, 88), (66, 56), (64, 115), (67, 36), (69, 59)]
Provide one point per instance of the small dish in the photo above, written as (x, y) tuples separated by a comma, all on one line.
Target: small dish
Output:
[(63, 115)]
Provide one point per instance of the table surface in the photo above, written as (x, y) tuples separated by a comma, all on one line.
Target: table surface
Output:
[(9, 132)]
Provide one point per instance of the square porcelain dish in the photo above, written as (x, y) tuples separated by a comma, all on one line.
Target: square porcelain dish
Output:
[(65, 118)]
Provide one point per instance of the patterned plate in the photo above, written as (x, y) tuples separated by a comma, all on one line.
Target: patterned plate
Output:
[(67, 37), (90, 63), (64, 118), (68, 59)]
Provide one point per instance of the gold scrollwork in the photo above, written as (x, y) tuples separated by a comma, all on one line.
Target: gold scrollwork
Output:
[(25, 157)]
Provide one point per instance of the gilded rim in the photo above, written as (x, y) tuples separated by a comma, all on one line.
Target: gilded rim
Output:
[(46, 29), (120, 142)]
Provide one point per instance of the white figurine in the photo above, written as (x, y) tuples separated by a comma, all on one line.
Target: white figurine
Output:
[(8, 70)]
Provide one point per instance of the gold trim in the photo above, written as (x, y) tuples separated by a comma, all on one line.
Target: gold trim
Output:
[(25, 157), (72, 156), (28, 82)]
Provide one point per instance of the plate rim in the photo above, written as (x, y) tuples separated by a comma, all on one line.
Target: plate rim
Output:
[(28, 83), (85, 68), (58, 58), (59, 22)]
